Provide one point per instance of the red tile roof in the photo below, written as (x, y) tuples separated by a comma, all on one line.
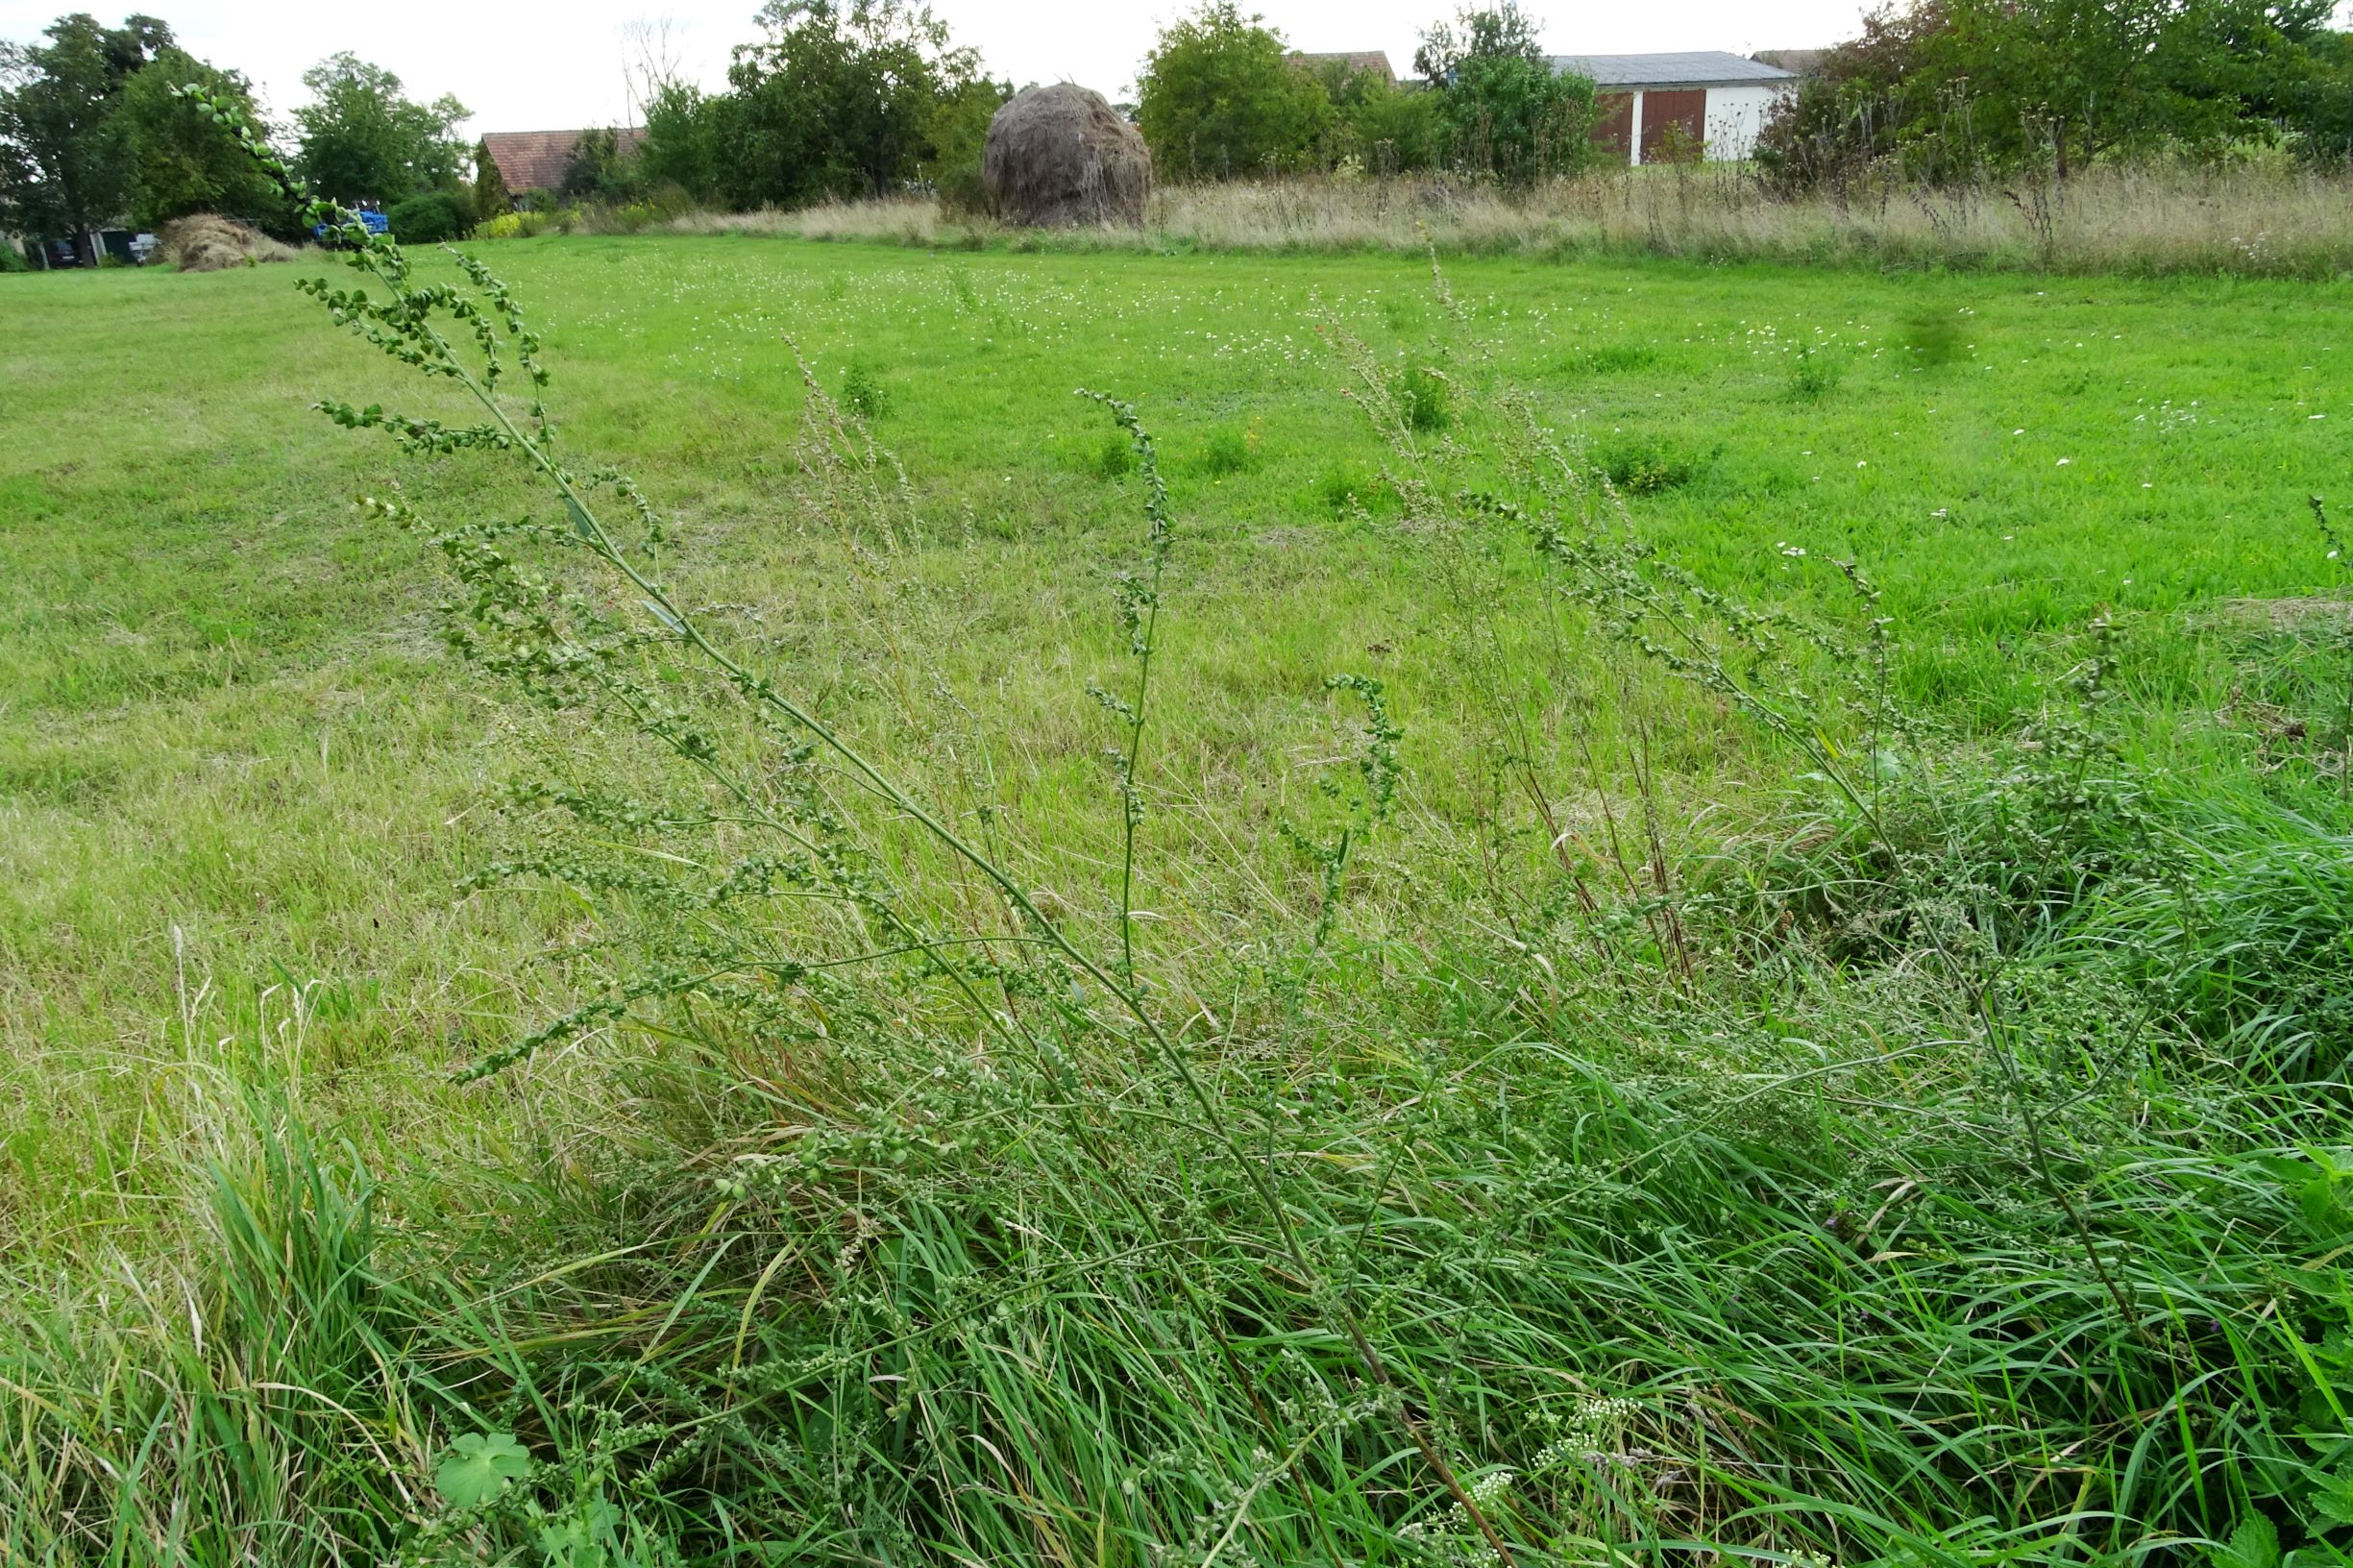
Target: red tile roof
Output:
[(536, 159)]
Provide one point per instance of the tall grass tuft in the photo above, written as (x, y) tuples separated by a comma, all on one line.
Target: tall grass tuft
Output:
[(2246, 219)]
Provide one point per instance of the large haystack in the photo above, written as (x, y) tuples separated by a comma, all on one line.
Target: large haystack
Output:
[(1060, 154), (206, 242)]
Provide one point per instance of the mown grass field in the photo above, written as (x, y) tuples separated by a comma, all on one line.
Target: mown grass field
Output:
[(240, 779)]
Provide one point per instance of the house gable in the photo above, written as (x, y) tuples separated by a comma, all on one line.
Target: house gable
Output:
[(536, 159)]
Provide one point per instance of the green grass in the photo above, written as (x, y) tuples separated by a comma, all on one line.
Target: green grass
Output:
[(1777, 1206)]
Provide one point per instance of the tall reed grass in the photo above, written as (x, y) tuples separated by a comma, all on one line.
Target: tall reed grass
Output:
[(2248, 220)]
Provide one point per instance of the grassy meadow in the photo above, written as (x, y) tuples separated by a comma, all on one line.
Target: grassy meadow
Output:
[(1868, 1087)]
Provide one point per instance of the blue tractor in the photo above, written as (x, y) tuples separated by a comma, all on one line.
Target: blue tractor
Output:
[(375, 222)]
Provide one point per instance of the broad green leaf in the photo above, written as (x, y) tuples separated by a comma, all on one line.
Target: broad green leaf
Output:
[(584, 1540), (2322, 1200), (479, 1466), (2254, 1544), (2332, 1498)]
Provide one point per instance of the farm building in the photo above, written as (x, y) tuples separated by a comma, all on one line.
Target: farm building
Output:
[(536, 159), (117, 241), (1658, 108)]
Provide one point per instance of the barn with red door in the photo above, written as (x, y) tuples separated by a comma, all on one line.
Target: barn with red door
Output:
[(1669, 108)]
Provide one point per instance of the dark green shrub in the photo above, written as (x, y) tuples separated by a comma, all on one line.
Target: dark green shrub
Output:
[(2324, 104), (600, 171), (1114, 458), (864, 394), (1229, 450), (1649, 467), (1386, 129), (1504, 111), (1426, 397), (961, 192), (491, 197), (1814, 373), (1343, 489), (13, 260), (433, 218)]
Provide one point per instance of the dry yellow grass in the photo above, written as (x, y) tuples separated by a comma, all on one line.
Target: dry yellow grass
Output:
[(2246, 220), (206, 242)]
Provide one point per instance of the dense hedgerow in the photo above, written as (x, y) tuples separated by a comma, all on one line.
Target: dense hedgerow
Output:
[(433, 218)]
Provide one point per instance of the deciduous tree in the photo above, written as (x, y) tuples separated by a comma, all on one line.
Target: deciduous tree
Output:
[(1957, 88), (1217, 98), (1501, 32), (681, 145), (835, 100), (491, 197), (65, 155), (1505, 110), (598, 170), (182, 162), (361, 138), (1388, 128)]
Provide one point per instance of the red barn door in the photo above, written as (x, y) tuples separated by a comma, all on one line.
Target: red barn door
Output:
[(1685, 109), (1613, 125)]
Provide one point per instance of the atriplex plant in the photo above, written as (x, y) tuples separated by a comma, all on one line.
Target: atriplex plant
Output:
[(1682, 1208), (832, 822), (2342, 624), (1754, 661), (1138, 601)]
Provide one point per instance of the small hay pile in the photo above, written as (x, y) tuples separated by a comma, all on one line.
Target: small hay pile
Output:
[(207, 242), (1059, 156)]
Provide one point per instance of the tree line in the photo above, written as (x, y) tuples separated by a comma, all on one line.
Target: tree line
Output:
[(837, 102), (834, 103), (1946, 90), (92, 133), (833, 99), (836, 99), (841, 104)]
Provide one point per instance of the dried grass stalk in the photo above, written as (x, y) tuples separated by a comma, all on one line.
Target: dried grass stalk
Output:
[(1059, 156), (2254, 221), (207, 242)]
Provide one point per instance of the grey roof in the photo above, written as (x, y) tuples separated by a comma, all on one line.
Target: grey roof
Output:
[(1704, 67)]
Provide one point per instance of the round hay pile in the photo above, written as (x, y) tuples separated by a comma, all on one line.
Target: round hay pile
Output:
[(1059, 155), (207, 242)]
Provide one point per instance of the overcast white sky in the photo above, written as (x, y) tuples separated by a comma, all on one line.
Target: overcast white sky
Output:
[(534, 64)]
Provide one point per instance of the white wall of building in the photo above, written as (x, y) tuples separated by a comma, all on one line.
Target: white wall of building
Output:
[(1735, 115)]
